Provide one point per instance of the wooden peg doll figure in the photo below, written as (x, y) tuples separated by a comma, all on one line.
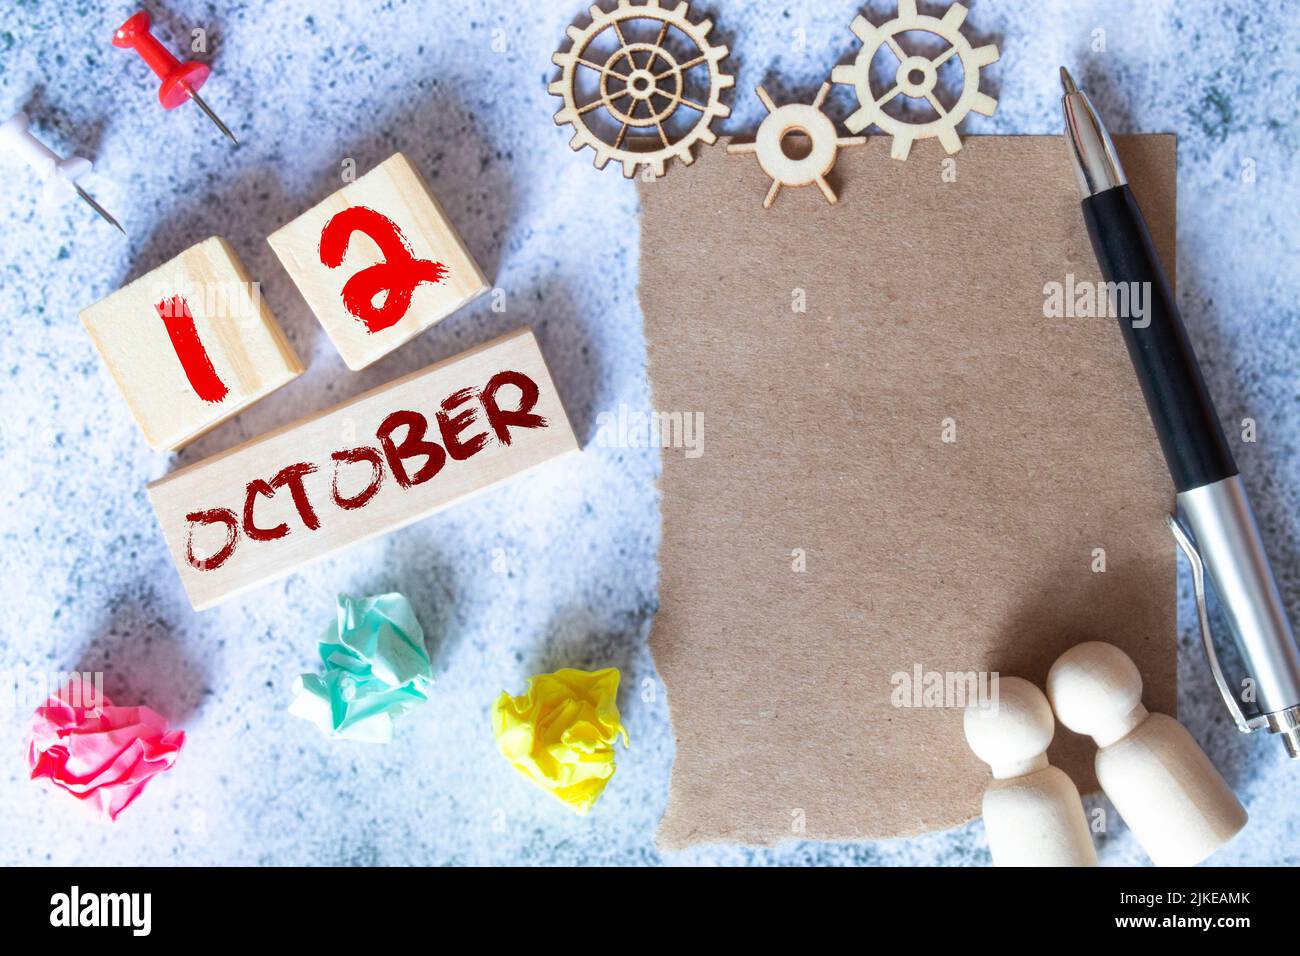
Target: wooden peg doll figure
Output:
[(1032, 811), (1177, 804)]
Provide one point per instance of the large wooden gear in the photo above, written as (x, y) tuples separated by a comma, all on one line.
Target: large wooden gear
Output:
[(641, 86), (917, 77)]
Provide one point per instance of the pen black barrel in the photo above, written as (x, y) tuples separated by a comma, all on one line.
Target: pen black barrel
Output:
[(1177, 399)]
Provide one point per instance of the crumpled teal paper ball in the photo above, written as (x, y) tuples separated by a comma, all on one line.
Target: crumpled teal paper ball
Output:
[(376, 669)]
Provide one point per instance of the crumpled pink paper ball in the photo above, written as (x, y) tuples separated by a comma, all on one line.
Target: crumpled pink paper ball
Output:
[(103, 755)]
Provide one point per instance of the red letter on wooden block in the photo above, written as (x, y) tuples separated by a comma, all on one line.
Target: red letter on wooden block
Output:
[(412, 445), (349, 456), (281, 501)]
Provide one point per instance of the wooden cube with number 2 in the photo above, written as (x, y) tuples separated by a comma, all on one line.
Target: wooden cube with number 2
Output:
[(378, 261)]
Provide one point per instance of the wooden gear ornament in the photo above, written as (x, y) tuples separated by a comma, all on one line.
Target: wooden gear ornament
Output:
[(824, 145), (917, 77), (641, 86)]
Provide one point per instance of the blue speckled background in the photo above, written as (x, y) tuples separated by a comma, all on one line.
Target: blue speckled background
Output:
[(558, 568)]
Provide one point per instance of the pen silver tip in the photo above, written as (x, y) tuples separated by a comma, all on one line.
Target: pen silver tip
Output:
[(1096, 164)]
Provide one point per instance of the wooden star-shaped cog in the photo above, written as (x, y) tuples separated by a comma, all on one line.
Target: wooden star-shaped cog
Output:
[(811, 122)]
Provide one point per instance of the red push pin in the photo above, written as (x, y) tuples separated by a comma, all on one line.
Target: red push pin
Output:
[(180, 81)]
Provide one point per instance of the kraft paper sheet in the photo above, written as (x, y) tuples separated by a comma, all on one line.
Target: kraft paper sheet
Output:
[(823, 436)]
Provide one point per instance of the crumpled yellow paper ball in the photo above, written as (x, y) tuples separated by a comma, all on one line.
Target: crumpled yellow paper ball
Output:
[(561, 734)]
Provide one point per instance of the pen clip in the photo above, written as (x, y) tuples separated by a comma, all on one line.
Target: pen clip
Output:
[(1244, 724)]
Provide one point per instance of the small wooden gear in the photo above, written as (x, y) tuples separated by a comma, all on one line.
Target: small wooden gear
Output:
[(641, 85), (917, 77), (824, 145)]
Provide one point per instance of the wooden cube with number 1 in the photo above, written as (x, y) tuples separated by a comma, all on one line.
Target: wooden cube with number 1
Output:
[(191, 344), (378, 261)]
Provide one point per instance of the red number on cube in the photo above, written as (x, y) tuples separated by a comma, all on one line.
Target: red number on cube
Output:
[(397, 276)]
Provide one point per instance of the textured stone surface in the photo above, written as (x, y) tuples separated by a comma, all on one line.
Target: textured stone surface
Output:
[(559, 568)]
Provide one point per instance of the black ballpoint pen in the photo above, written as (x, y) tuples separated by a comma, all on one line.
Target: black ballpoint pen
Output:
[(1217, 530)]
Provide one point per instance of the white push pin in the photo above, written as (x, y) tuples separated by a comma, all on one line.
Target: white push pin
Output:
[(1178, 806), (60, 175), (1032, 811)]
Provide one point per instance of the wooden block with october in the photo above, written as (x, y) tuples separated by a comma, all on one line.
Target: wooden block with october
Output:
[(190, 344), (378, 261), (368, 466)]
